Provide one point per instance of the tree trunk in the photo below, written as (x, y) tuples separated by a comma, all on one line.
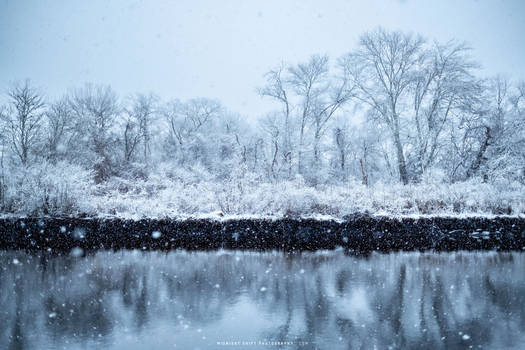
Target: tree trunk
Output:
[(364, 173), (316, 147), (300, 152), (480, 157), (403, 175), (274, 160)]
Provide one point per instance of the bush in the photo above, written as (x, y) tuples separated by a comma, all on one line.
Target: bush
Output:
[(45, 188), (168, 191)]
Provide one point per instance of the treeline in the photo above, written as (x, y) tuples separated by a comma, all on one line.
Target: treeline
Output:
[(396, 108)]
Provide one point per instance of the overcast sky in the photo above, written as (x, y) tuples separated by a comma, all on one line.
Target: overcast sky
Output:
[(222, 48)]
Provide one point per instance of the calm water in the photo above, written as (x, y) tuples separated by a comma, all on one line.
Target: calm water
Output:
[(153, 300)]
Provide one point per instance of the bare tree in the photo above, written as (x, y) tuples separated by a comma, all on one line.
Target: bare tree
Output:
[(309, 81), (382, 69), (132, 137), (271, 126), (137, 126), (23, 119), (188, 122), (58, 128), (276, 88), (328, 102), (187, 118), (444, 85), (501, 146), (95, 109), (309, 97), (479, 133)]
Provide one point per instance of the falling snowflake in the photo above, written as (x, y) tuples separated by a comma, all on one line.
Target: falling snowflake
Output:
[(77, 252)]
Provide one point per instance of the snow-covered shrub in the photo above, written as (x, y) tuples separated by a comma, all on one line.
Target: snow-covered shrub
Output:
[(45, 188), (178, 192)]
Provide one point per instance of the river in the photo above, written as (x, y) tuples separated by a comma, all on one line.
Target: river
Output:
[(131, 299)]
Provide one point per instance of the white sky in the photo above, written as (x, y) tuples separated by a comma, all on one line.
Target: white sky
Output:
[(222, 48)]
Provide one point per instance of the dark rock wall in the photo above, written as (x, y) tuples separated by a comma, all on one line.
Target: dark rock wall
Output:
[(361, 233)]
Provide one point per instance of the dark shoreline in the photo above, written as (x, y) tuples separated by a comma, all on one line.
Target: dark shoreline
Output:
[(360, 234)]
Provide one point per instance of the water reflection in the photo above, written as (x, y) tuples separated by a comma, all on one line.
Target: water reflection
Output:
[(137, 300)]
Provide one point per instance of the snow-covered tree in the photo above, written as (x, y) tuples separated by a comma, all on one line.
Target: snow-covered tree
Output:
[(22, 120), (95, 110)]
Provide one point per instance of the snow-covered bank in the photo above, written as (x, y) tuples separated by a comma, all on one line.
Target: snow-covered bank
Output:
[(68, 190)]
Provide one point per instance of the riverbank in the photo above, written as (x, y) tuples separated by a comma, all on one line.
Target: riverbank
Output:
[(361, 233), (65, 190)]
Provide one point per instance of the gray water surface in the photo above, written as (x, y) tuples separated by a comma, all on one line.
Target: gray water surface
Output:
[(230, 299)]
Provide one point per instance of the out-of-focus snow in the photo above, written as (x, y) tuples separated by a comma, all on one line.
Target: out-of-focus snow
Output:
[(77, 252)]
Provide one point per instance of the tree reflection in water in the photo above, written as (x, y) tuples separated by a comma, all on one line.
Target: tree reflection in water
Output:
[(326, 300)]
